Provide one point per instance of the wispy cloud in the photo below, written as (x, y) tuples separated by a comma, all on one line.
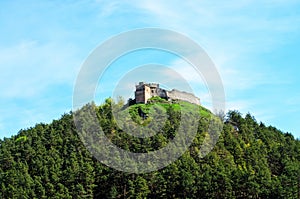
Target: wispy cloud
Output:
[(31, 67), (43, 45), (36, 82), (234, 28), (237, 35)]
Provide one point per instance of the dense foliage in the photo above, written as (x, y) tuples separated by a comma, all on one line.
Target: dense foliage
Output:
[(250, 160)]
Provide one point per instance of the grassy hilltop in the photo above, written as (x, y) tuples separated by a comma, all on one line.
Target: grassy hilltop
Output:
[(250, 160)]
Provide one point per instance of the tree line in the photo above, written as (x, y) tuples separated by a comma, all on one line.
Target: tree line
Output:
[(250, 159)]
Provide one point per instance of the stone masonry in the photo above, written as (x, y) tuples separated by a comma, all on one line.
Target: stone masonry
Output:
[(145, 91)]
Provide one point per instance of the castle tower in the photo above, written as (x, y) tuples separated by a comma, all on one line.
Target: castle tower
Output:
[(142, 93)]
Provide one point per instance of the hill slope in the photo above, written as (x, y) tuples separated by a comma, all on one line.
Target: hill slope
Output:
[(249, 160)]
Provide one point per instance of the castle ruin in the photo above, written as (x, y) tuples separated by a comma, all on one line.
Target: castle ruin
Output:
[(144, 91)]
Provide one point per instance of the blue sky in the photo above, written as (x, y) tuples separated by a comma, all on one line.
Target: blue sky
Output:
[(255, 46)]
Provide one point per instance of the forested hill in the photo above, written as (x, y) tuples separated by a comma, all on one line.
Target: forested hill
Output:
[(250, 160)]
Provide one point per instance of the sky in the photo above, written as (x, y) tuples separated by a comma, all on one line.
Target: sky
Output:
[(255, 46)]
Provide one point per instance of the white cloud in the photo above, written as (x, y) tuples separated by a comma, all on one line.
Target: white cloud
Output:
[(29, 67), (233, 33), (234, 26)]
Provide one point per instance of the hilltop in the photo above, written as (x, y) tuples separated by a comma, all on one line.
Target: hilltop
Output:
[(250, 160)]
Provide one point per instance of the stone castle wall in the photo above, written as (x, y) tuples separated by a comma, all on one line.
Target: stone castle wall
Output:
[(184, 96), (145, 91)]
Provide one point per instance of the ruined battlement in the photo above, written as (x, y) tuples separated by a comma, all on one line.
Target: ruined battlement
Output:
[(145, 91)]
